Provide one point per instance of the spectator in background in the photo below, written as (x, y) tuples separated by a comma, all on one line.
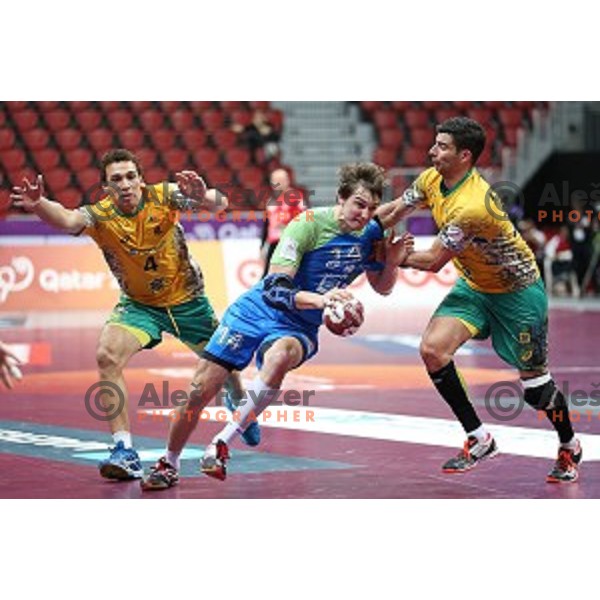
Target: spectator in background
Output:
[(535, 239), (560, 257), (580, 240), (281, 208), (259, 135)]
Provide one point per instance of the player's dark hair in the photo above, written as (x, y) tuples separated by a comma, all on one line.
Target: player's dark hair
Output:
[(466, 133), (369, 176), (119, 155)]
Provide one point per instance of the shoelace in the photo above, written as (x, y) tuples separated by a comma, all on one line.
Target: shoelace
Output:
[(565, 460)]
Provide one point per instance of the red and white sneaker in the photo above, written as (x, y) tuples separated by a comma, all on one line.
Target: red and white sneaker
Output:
[(163, 476), (472, 453), (566, 467), (214, 461)]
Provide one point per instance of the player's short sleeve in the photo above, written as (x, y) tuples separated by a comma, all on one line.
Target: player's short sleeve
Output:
[(460, 230), (90, 219), (374, 243), (423, 184), (297, 239)]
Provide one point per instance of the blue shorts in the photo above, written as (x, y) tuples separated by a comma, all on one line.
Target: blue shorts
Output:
[(250, 326)]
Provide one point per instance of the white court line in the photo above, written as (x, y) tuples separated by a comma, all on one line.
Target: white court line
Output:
[(521, 441)]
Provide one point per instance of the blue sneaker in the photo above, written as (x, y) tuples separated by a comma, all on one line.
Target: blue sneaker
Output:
[(122, 464), (251, 436)]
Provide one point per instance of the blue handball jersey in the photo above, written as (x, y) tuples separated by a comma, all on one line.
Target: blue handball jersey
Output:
[(324, 256)]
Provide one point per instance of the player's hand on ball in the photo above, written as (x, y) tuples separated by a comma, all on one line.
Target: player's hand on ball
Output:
[(28, 195), (343, 314)]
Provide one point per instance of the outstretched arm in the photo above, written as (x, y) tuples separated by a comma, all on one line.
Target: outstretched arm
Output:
[(30, 196), (393, 212), (430, 260), (195, 196)]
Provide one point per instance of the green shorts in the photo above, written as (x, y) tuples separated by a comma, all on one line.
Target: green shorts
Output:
[(516, 321), (193, 322)]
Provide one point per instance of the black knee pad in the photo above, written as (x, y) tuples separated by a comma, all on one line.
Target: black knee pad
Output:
[(545, 397)]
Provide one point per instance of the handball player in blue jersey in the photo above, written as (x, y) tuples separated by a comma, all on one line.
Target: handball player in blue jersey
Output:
[(277, 321)]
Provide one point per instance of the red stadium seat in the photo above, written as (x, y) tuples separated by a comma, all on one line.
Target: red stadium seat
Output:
[(151, 120), (194, 139), (88, 120), (391, 138), (162, 139), (78, 106), (237, 158), (481, 115), (119, 119), (206, 158), (26, 120), (275, 117), (371, 106), (47, 159), (442, 114), (148, 158), (36, 139), (401, 105), (169, 106), (485, 160), (176, 159), (132, 139), (155, 175), (110, 105), (79, 159), (219, 177), (68, 139), (385, 157), (495, 104), (45, 106), (16, 106), (182, 120), (251, 178), (225, 138), (232, 105), (241, 117), (88, 178), (463, 105), (199, 106), (101, 140), (510, 136), (58, 180), (212, 119), (70, 198), (415, 157), (57, 120), (13, 160), (385, 119), (422, 138), (416, 118), (259, 104), (510, 117), (7, 139), (139, 106)]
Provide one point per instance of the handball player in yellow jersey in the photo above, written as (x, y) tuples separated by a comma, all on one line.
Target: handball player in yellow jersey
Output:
[(499, 293), (136, 227)]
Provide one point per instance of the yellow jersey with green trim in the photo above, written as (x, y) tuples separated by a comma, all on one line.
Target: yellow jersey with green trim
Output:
[(490, 253), (146, 250)]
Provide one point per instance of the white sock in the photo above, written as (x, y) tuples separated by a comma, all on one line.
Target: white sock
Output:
[(173, 458), (572, 445), (123, 436), (257, 398), (480, 433)]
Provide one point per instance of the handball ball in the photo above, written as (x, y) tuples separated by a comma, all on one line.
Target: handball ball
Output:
[(344, 317)]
